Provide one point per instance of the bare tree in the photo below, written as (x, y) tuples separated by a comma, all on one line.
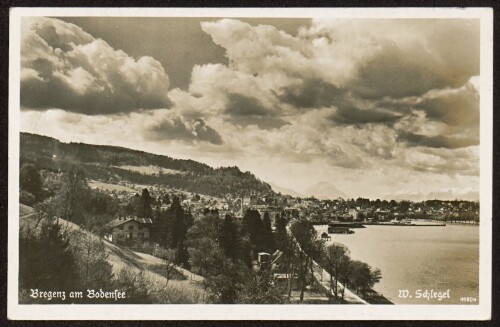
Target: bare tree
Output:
[(336, 261), (169, 269), (45, 211), (309, 247), (93, 266)]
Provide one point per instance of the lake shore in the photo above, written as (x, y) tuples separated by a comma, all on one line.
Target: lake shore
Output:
[(418, 258)]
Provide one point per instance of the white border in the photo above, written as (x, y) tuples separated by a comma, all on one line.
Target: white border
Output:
[(482, 311)]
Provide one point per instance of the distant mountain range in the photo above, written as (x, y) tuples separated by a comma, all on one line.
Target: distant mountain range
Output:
[(116, 164), (284, 190), (444, 194), (324, 191)]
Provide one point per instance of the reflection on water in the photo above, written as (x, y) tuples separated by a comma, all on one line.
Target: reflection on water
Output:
[(419, 258)]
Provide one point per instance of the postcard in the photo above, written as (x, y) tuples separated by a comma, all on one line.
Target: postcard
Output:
[(257, 163)]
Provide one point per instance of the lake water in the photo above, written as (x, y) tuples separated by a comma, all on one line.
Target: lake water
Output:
[(418, 258)]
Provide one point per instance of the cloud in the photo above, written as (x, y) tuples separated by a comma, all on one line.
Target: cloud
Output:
[(312, 93), (240, 105), (397, 58), (64, 67), (177, 128), (456, 107), (129, 129), (442, 161), (351, 115), (355, 94), (370, 104), (447, 118), (258, 49), (439, 141)]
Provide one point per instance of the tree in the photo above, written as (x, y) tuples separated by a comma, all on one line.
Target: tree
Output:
[(233, 242), (162, 232), (310, 247), (179, 226), (203, 252), (363, 277), (203, 244), (171, 225), (227, 281), (182, 255), (30, 180), (228, 239), (259, 288), (93, 266), (46, 260), (72, 192), (251, 226), (188, 219), (265, 241), (46, 211), (287, 246), (280, 232), (336, 260), (145, 205), (134, 285), (170, 257), (26, 198)]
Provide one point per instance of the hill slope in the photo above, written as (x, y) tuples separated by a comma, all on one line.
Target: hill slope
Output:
[(112, 163), (187, 290)]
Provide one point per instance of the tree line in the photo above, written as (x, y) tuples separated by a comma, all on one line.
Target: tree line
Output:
[(334, 258)]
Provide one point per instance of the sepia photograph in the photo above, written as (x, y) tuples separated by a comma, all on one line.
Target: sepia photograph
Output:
[(312, 162)]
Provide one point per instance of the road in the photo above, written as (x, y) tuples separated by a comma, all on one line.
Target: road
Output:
[(323, 278)]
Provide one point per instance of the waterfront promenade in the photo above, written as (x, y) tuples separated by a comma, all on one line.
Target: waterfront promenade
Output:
[(323, 278)]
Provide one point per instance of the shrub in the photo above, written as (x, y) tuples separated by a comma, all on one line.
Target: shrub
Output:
[(26, 198)]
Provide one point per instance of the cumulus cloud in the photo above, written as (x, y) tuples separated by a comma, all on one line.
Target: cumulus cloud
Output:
[(356, 100), (129, 129), (64, 67), (240, 105), (447, 118), (312, 93), (354, 93), (391, 57), (177, 128)]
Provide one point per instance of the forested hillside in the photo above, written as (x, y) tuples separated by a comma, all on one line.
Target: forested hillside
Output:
[(107, 163)]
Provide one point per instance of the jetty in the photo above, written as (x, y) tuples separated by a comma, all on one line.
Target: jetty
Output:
[(410, 223)]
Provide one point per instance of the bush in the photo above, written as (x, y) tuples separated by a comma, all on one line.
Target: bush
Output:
[(26, 198), (142, 289), (46, 260), (134, 285)]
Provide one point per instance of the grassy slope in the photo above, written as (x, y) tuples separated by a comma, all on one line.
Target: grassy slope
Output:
[(110, 187), (120, 258), (151, 170)]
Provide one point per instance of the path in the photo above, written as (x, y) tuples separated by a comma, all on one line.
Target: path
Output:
[(323, 278)]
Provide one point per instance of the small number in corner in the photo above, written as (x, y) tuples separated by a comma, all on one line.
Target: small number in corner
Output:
[(469, 299)]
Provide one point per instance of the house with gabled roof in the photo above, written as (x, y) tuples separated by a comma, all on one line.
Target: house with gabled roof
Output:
[(129, 230)]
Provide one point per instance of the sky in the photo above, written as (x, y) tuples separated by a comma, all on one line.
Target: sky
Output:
[(378, 108)]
